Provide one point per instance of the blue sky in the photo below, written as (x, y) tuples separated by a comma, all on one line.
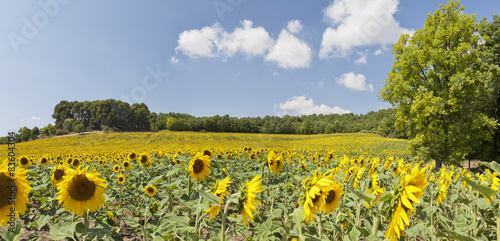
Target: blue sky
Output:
[(236, 57)]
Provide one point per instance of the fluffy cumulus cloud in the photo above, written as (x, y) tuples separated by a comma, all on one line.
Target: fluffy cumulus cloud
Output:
[(287, 51), (248, 40), (357, 23), (290, 52), (199, 42), (300, 105), (354, 81)]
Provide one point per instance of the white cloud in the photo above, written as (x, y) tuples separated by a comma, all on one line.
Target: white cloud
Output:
[(359, 23), (174, 60), (213, 41), (299, 105), (35, 118), (354, 81), (199, 43), (362, 59), (378, 52), (289, 52), (294, 26), (251, 41)]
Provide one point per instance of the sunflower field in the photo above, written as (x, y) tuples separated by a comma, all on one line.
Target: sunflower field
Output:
[(220, 186)]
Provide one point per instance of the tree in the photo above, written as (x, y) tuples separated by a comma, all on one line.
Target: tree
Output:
[(490, 150), (437, 87), (78, 126), (35, 132), (24, 134)]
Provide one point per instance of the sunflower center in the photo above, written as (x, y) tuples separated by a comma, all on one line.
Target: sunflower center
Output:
[(58, 174), (120, 179), (316, 198), (24, 161), (144, 159), (132, 155), (206, 153), (44, 160), (278, 163), (76, 162), (5, 190), (330, 197), (197, 166), (151, 190), (81, 188)]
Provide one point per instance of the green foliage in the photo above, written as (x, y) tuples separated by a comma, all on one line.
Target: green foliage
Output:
[(35, 132), (438, 88)]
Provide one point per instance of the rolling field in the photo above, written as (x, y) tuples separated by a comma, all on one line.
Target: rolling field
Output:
[(221, 186)]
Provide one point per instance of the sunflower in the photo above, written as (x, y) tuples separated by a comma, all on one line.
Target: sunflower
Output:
[(132, 156), (75, 163), (199, 167), (247, 200), (116, 168), (82, 191), (178, 162), (275, 162), (144, 159), (121, 179), (150, 190), (24, 161), (332, 196), (14, 193), (59, 173), (219, 190), (408, 193), (207, 152), (442, 193), (44, 161), (126, 164), (69, 160), (313, 199), (359, 175), (219, 156)]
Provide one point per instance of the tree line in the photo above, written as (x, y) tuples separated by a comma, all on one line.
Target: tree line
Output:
[(115, 115)]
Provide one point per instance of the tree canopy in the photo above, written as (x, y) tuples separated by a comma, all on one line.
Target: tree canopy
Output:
[(438, 86)]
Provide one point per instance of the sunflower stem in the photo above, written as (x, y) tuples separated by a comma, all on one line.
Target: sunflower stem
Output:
[(223, 225), (320, 225), (86, 219), (498, 227), (197, 221)]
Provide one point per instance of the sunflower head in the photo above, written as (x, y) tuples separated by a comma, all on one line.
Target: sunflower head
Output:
[(144, 159), (150, 190), (132, 156), (59, 173), (24, 161), (44, 161), (116, 168), (126, 164), (12, 182), (207, 152), (199, 167), (82, 191), (121, 179), (246, 201), (75, 163)]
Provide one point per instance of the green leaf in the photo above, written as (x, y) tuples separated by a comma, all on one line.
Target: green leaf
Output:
[(298, 215), (482, 203), (353, 235), (492, 165), (456, 235), (12, 233), (212, 199), (364, 196), (62, 230), (486, 191), (131, 221), (154, 180)]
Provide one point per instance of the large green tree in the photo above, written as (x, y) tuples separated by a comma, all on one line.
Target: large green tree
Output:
[(438, 88)]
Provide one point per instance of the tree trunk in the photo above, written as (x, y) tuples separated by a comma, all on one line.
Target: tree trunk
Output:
[(439, 164)]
